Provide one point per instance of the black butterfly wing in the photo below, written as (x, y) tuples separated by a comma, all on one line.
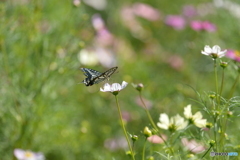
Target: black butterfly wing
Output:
[(90, 75), (90, 72), (95, 77), (104, 76)]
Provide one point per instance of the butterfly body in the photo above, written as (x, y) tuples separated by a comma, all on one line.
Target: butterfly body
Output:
[(94, 77)]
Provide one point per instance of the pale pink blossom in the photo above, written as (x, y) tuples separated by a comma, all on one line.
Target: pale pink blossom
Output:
[(146, 102), (157, 139), (146, 11), (114, 144), (175, 21), (208, 26), (189, 11), (193, 146)]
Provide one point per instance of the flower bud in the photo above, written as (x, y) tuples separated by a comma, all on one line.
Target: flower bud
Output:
[(147, 132), (223, 64), (212, 96), (211, 142), (150, 158), (134, 138), (138, 87), (229, 114), (209, 125)]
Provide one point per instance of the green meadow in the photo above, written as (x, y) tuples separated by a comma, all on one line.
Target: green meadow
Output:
[(45, 108)]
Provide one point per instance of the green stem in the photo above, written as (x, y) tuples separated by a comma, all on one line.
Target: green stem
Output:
[(148, 114), (234, 86), (216, 82), (152, 123), (206, 152), (144, 148), (220, 94), (123, 127)]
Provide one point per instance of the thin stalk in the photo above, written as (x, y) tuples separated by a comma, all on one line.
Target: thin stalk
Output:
[(220, 94), (152, 123), (216, 82), (234, 86), (148, 114), (144, 149), (123, 127), (206, 152)]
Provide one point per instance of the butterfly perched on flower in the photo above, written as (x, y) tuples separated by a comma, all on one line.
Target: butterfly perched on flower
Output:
[(94, 77)]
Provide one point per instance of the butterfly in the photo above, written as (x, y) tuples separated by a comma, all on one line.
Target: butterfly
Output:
[(94, 77)]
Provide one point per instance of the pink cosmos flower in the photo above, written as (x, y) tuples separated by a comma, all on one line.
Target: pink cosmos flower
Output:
[(176, 62), (196, 25), (193, 146), (114, 144), (233, 54), (175, 21), (146, 102), (203, 25), (189, 11), (208, 26), (146, 11), (156, 139)]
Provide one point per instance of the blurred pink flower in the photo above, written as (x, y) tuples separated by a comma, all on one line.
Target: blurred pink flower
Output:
[(202, 25), (114, 144), (146, 11), (147, 102), (104, 37), (189, 11), (208, 26), (126, 116), (157, 139), (97, 22), (175, 21), (192, 145), (233, 54), (105, 56), (175, 62), (196, 25), (76, 2)]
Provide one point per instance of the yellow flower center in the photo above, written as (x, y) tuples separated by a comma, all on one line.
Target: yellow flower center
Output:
[(237, 53), (28, 154)]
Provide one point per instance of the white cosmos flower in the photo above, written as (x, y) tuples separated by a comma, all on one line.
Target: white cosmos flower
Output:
[(27, 155), (214, 52), (114, 88), (174, 123), (195, 119)]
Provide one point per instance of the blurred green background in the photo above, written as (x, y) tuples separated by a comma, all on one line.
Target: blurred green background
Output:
[(42, 106)]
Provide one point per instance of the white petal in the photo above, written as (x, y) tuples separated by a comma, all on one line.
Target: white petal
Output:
[(124, 84), (197, 115), (188, 111), (164, 119), (163, 126), (216, 49), (179, 122), (207, 49), (19, 153), (116, 87), (205, 53), (222, 53), (106, 88), (200, 123)]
